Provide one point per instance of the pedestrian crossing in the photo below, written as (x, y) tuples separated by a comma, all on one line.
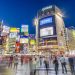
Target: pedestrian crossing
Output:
[(40, 70), (25, 70)]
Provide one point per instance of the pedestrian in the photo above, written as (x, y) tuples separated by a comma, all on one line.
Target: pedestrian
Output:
[(10, 61), (40, 59), (63, 64), (22, 60), (46, 62), (56, 65), (34, 66), (71, 63), (30, 63), (15, 61)]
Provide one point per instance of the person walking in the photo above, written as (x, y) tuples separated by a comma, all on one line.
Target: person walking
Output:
[(15, 61), (31, 68), (10, 61), (46, 62), (34, 66), (56, 65), (63, 64), (71, 63), (22, 58)]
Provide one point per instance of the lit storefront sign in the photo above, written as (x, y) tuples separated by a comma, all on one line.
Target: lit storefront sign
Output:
[(46, 31), (24, 39), (14, 30), (32, 42), (17, 47), (24, 28), (49, 46), (46, 20), (13, 35), (6, 29)]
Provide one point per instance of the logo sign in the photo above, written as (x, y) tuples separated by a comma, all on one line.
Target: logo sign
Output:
[(46, 21), (48, 7)]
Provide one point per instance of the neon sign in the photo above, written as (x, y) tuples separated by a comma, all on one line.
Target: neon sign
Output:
[(46, 20), (49, 7)]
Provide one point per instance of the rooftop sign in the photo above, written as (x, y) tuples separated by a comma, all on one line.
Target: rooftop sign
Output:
[(48, 7)]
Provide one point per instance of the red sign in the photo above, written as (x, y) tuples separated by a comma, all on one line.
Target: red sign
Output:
[(17, 47)]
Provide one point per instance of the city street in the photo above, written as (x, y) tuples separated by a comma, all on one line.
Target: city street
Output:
[(25, 70), (37, 37)]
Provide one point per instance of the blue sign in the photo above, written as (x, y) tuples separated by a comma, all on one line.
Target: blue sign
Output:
[(46, 20), (22, 36)]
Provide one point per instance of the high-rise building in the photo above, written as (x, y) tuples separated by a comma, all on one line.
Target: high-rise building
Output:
[(50, 30), (70, 38)]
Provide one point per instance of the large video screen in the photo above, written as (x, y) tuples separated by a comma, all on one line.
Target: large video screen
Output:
[(24, 40), (46, 21), (46, 31)]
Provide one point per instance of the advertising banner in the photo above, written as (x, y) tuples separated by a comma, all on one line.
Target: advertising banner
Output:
[(47, 27), (24, 39), (32, 41), (14, 30), (46, 21), (13, 35), (24, 28), (46, 31), (6, 29), (17, 50)]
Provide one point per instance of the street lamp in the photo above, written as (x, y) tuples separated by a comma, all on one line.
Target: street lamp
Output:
[(36, 25), (35, 21)]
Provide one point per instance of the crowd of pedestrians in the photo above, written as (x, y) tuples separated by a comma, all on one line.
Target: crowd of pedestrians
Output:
[(38, 63), (67, 64)]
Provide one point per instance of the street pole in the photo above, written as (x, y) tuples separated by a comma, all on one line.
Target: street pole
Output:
[(36, 25)]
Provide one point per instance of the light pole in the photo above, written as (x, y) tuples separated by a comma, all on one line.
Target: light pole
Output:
[(36, 25)]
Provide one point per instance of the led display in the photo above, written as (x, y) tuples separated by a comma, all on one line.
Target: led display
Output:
[(46, 20), (46, 31)]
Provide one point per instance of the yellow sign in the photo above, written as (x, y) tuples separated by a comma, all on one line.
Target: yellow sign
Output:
[(32, 42), (14, 30)]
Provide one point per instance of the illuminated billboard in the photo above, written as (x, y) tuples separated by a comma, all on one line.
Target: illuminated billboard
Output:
[(46, 31), (32, 42), (23, 40), (14, 30), (24, 28), (6, 29), (45, 21), (17, 50), (13, 35)]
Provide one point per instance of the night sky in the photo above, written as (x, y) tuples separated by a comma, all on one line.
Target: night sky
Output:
[(18, 12)]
